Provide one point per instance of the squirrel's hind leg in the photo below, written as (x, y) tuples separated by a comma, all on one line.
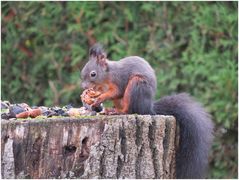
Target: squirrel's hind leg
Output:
[(137, 97)]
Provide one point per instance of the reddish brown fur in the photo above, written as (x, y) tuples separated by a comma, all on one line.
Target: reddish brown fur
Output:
[(122, 105), (117, 103), (131, 84), (111, 93)]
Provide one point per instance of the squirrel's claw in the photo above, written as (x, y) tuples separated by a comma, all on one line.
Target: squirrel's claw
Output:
[(97, 102), (111, 111)]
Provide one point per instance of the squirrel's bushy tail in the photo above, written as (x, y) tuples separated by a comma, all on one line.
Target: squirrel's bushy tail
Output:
[(196, 133)]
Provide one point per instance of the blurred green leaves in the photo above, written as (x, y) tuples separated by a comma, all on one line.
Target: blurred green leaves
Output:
[(191, 45)]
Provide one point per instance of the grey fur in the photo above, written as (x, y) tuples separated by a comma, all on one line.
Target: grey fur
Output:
[(97, 63), (125, 68), (196, 134), (196, 127), (97, 50)]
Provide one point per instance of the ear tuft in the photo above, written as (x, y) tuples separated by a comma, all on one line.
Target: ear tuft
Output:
[(97, 51), (98, 54)]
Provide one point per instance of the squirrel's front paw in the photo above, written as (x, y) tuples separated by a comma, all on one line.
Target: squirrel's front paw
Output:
[(97, 103)]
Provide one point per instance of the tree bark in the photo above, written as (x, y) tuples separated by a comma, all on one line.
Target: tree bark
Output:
[(127, 146)]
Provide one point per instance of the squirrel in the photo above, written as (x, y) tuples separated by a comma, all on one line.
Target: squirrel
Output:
[(131, 84)]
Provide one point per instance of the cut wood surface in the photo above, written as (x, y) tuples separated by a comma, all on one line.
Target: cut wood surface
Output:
[(127, 146)]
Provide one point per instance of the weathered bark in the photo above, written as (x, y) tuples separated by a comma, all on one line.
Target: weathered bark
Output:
[(130, 146)]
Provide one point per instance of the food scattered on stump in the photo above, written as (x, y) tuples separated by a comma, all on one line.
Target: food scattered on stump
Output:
[(23, 110)]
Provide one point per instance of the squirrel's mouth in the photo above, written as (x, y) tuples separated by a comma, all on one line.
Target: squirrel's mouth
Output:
[(87, 85), (97, 87)]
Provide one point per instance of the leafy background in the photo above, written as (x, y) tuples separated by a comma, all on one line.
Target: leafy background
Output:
[(191, 45)]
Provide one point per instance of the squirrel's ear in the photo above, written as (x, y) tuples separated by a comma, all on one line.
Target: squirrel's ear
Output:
[(102, 61), (98, 54)]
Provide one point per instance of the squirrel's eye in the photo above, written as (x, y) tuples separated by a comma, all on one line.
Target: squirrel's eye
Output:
[(92, 74)]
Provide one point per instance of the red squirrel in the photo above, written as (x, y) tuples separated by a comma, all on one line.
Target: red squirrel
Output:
[(131, 84)]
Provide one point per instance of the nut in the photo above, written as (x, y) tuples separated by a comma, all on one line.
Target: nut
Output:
[(89, 95)]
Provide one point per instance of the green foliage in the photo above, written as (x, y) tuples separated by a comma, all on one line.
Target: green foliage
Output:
[(191, 45)]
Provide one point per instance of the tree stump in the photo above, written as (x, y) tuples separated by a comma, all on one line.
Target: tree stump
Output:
[(127, 146)]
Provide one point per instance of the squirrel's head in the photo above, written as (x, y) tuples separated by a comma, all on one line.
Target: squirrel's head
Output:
[(96, 69)]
